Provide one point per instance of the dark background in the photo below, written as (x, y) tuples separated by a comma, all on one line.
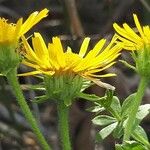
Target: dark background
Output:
[(72, 21)]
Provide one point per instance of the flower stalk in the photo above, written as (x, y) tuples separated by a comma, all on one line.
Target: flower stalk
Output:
[(134, 109), (13, 81), (63, 125)]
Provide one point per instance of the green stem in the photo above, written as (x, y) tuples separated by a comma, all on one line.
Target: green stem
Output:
[(12, 79), (142, 140), (63, 125), (134, 109)]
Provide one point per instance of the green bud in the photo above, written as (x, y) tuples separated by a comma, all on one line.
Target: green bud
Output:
[(9, 58), (142, 59)]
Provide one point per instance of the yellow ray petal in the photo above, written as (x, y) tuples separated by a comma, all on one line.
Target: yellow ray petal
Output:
[(93, 70), (29, 73), (40, 48), (98, 47), (30, 64), (29, 52), (103, 76), (84, 47), (131, 33), (53, 56), (33, 19), (146, 31), (18, 28), (122, 32), (59, 51), (137, 23), (112, 42)]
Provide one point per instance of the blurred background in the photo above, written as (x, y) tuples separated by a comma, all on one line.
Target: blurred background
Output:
[(71, 20)]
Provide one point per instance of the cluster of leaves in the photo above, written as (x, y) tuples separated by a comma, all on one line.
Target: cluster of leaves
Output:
[(115, 122)]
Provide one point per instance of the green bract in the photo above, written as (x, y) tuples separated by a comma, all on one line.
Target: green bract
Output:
[(63, 87)]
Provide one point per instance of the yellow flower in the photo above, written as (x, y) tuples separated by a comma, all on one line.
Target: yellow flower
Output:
[(9, 39), (10, 33), (54, 61), (138, 40), (133, 40)]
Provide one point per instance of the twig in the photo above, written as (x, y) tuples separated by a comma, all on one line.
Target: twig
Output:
[(75, 23)]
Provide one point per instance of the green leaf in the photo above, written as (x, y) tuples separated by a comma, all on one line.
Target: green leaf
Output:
[(90, 97), (86, 84), (118, 131), (143, 111), (39, 76), (118, 147), (106, 132), (133, 145), (39, 87), (106, 102), (103, 120), (115, 104), (130, 145), (128, 65), (107, 99), (95, 109), (140, 135), (109, 94), (40, 99), (127, 104)]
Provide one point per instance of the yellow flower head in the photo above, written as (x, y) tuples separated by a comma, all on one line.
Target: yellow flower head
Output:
[(9, 39), (10, 33), (133, 40), (138, 40), (54, 61)]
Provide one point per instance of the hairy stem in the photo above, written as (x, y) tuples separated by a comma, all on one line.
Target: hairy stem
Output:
[(134, 108), (63, 125), (13, 81)]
